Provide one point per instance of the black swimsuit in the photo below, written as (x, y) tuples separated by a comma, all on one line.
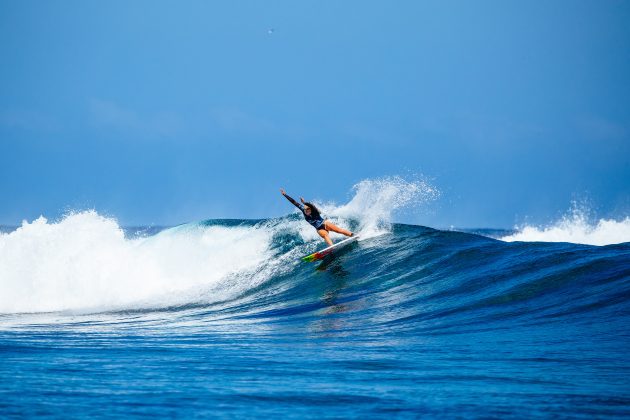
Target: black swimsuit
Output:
[(316, 222)]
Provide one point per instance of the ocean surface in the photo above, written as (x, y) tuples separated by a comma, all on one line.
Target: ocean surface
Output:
[(220, 318)]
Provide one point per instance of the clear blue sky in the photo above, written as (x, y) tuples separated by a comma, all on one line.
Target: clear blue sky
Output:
[(166, 112)]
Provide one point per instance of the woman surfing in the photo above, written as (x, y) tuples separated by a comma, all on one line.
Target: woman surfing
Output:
[(314, 218)]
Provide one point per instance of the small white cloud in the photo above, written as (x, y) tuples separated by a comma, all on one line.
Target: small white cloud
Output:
[(599, 128), (235, 120), (28, 120), (109, 114)]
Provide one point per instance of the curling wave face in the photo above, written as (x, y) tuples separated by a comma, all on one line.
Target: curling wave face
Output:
[(408, 278), (85, 261)]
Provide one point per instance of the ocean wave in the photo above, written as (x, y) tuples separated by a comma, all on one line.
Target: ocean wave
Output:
[(85, 261), (397, 276)]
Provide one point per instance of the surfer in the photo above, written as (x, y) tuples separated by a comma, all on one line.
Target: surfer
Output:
[(315, 219)]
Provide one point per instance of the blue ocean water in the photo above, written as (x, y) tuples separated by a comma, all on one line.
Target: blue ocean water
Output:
[(221, 319)]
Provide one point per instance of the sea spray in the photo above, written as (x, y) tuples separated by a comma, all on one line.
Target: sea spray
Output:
[(377, 201)]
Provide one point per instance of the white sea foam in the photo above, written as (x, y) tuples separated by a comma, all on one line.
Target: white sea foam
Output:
[(575, 227), (85, 262)]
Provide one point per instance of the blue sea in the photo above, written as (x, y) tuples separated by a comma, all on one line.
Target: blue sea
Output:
[(221, 319)]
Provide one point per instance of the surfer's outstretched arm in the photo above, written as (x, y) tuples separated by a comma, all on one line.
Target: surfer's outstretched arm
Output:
[(295, 203)]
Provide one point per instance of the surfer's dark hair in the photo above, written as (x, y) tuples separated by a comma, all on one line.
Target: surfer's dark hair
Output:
[(314, 210)]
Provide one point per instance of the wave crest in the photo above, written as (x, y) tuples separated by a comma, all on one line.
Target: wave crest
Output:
[(576, 228)]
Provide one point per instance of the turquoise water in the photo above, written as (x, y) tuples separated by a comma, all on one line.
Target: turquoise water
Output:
[(409, 322)]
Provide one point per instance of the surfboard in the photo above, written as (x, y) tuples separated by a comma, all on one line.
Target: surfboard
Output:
[(316, 256)]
